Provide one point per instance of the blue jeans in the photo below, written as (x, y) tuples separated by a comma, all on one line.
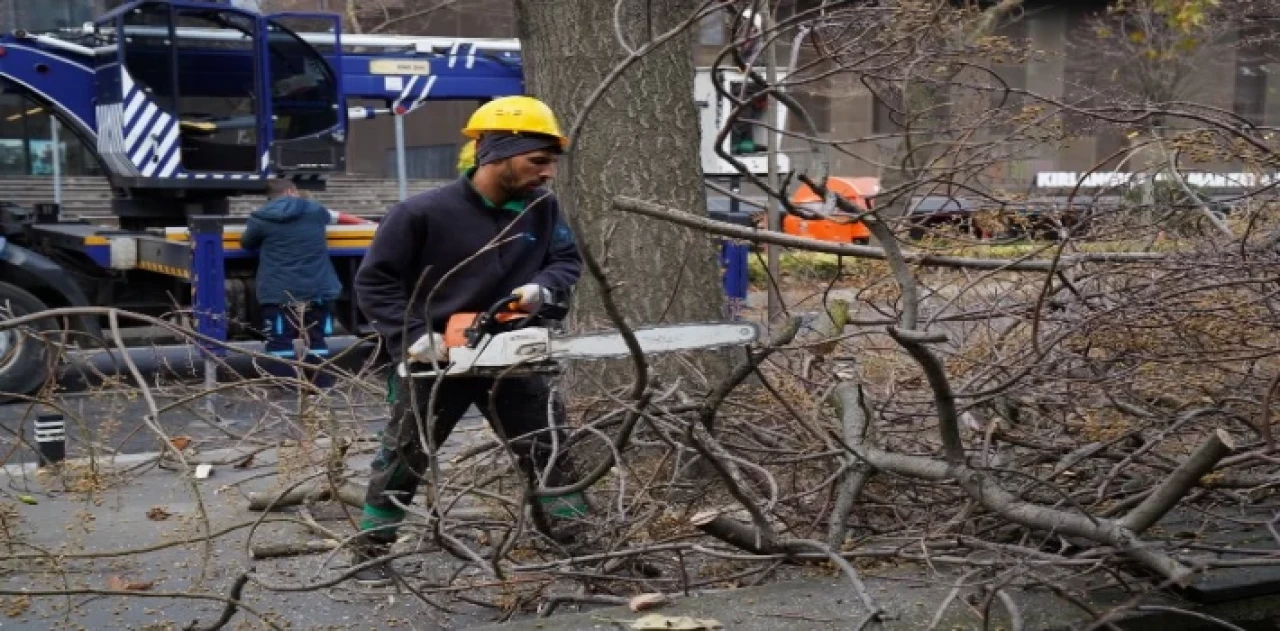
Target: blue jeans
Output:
[(310, 322)]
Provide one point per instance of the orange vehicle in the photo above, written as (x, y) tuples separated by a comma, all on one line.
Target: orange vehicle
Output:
[(840, 229)]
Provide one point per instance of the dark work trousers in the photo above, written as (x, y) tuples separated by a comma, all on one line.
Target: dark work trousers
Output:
[(522, 416), (309, 323)]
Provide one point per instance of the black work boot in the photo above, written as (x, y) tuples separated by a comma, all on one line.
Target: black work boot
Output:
[(376, 575), (560, 519)]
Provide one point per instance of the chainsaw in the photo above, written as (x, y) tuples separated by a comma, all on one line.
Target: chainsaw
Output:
[(503, 342)]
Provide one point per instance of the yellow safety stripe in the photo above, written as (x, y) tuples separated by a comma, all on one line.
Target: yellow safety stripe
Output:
[(333, 241), (168, 270), (232, 237)]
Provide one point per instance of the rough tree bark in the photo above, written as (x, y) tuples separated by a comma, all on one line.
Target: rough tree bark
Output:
[(640, 140)]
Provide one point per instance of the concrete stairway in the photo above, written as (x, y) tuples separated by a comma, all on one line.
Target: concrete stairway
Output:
[(90, 197)]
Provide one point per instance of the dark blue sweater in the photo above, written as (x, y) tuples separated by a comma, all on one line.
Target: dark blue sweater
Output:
[(432, 233), (293, 252)]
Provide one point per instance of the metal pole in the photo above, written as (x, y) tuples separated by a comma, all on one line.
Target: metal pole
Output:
[(774, 212), (400, 166), (57, 159), (210, 385), (209, 297), (736, 277)]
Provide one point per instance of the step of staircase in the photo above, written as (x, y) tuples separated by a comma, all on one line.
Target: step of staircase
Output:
[(90, 197)]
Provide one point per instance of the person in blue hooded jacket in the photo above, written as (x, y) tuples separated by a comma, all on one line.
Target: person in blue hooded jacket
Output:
[(296, 282)]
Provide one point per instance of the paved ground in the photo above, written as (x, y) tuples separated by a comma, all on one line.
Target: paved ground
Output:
[(43, 540), (103, 416), (829, 605), (111, 497), (136, 508)]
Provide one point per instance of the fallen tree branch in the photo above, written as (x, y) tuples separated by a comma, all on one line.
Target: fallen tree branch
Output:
[(554, 602), (1179, 483), (981, 487), (350, 493), (1015, 614), (756, 541), (689, 220), (1212, 217), (854, 426), (729, 473), (736, 533), (277, 550), (229, 609), (943, 396)]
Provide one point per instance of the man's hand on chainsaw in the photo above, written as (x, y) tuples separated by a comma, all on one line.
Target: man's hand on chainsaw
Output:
[(429, 348), (532, 297)]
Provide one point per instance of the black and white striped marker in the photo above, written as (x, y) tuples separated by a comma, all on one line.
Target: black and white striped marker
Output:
[(51, 438)]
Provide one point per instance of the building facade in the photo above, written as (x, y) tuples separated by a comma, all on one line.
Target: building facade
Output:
[(25, 130), (45, 15), (1069, 57)]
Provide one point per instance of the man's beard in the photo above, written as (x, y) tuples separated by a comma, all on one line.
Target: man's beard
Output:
[(510, 183)]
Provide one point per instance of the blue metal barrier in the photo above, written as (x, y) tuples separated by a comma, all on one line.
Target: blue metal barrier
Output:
[(735, 277), (208, 281)]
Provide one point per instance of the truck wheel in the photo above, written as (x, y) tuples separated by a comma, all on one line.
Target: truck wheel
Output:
[(22, 359)]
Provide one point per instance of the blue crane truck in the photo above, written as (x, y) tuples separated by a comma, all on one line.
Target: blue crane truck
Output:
[(187, 104)]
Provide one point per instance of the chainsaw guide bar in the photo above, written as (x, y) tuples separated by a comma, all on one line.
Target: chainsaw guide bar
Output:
[(535, 350)]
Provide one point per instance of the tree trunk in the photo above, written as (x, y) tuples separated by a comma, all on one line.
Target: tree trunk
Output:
[(640, 139)]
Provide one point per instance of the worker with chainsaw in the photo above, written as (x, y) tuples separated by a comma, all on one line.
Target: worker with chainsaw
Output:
[(494, 232)]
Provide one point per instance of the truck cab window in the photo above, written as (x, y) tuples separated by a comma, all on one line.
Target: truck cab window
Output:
[(217, 110), (304, 91)]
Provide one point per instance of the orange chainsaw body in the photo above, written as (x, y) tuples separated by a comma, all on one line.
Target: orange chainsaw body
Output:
[(455, 330)]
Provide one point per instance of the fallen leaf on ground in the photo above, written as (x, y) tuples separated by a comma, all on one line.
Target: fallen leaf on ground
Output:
[(118, 584), (659, 622), (158, 513), (16, 606), (180, 442), (27, 499), (647, 601)]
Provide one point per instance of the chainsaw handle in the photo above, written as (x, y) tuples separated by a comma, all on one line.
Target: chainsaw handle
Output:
[(487, 322), (507, 303)]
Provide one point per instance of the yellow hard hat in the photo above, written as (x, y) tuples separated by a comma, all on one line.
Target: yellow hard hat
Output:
[(516, 114), (467, 156)]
